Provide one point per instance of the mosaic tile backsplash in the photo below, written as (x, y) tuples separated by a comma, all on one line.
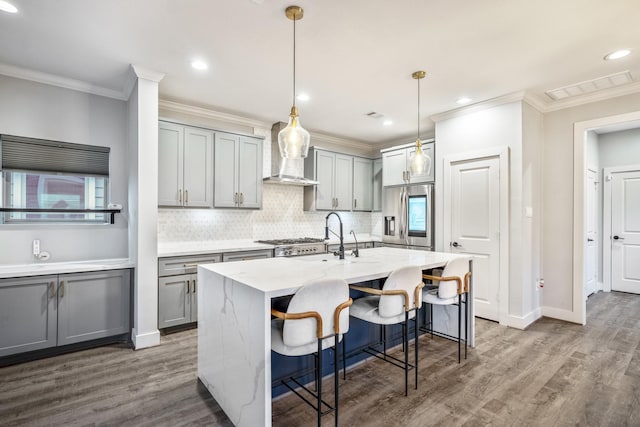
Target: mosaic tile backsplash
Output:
[(282, 216)]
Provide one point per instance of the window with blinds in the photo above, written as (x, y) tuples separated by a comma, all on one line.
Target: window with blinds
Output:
[(40, 174)]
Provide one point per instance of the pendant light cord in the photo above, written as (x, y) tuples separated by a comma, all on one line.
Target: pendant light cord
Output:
[(418, 108), (294, 62)]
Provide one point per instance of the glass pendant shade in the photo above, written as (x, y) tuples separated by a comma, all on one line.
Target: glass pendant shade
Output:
[(420, 163), (293, 140)]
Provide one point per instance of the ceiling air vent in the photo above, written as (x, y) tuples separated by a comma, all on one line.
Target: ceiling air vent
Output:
[(589, 86)]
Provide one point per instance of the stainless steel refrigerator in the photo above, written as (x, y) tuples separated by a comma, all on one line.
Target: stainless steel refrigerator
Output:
[(407, 216)]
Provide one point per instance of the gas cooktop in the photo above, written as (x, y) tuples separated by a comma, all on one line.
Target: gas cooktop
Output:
[(296, 241)]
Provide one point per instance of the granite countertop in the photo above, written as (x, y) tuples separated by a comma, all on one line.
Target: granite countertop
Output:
[(44, 268)]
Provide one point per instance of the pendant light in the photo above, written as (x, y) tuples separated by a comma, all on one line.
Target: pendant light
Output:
[(420, 163), (293, 140)]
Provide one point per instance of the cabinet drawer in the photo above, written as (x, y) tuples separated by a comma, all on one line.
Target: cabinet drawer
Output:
[(245, 255), (172, 266)]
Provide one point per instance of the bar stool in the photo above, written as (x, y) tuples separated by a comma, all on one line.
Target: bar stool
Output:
[(449, 290), (316, 319), (398, 301)]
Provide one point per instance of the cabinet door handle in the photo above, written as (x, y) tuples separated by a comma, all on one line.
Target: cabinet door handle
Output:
[(187, 286), (235, 197), (194, 286), (180, 196), (190, 265), (52, 289), (355, 203), (186, 197), (241, 198), (61, 289)]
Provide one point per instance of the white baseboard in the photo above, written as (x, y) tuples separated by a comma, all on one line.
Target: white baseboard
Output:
[(150, 339), (521, 322), (559, 313)]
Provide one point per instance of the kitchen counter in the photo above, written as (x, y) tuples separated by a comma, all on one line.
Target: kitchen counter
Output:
[(234, 320), (167, 249), (44, 268)]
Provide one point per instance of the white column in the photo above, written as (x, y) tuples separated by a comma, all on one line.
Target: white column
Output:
[(143, 204)]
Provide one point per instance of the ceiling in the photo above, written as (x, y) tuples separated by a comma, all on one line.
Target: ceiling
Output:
[(353, 57)]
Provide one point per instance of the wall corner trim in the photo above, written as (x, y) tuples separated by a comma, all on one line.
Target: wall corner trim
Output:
[(522, 322), (149, 339)]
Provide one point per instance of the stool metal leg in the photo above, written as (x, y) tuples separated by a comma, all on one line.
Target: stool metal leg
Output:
[(431, 319), (466, 322), (336, 375), (459, 324), (415, 331), (319, 380), (406, 353)]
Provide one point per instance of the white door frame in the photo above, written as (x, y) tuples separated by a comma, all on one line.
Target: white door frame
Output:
[(579, 308), (503, 154), (606, 218)]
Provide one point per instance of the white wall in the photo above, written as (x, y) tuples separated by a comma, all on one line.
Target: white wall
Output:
[(558, 194), (40, 111), (619, 148), (502, 126)]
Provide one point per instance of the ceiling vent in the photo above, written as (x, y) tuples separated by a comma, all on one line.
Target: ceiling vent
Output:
[(589, 86), (375, 115)]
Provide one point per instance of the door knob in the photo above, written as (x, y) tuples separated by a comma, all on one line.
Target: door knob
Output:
[(589, 240), (618, 238), (456, 245)]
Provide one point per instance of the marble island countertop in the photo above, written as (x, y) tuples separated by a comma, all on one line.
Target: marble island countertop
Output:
[(46, 268), (282, 276)]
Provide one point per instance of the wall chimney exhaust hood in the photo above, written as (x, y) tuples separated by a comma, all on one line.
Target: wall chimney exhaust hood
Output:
[(285, 171)]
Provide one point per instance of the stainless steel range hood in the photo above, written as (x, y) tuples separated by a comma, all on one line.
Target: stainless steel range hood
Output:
[(285, 171)]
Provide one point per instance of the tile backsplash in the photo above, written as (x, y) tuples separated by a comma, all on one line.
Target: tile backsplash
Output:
[(281, 216)]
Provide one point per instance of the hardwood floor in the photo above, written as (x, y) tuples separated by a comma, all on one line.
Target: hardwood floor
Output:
[(552, 374)]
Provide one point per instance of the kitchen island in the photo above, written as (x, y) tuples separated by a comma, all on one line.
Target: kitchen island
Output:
[(234, 318)]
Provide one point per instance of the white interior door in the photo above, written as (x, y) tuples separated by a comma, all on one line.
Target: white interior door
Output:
[(591, 233), (625, 232), (475, 227)]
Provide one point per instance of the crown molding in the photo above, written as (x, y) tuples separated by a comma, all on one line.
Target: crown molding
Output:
[(490, 103), (147, 73), (341, 141), (206, 113), (600, 95), (539, 103), (58, 81)]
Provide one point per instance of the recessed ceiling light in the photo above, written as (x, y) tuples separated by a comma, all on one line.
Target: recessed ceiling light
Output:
[(387, 123), (302, 97), (463, 100), (7, 7), (199, 65), (617, 54)]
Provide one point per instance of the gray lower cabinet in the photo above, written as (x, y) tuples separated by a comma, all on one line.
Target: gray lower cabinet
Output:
[(47, 311), (28, 316), (178, 288), (93, 305)]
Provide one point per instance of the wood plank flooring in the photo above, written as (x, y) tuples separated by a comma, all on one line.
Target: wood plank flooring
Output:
[(552, 374)]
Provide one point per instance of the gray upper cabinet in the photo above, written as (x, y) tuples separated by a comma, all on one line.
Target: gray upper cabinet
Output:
[(395, 165), (238, 171), (185, 166), (93, 305), (334, 172), (45, 311), (28, 318), (362, 184), (377, 185)]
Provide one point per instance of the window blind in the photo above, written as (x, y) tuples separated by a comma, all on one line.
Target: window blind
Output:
[(41, 155)]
